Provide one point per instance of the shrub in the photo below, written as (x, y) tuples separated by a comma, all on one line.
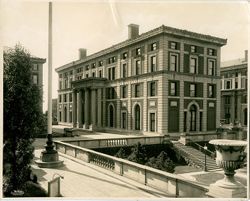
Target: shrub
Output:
[(121, 153), (32, 189), (139, 154)]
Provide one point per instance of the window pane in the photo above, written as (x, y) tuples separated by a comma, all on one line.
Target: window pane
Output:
[(173, 63)]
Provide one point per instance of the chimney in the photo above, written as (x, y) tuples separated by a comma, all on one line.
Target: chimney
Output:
[(82, 53), (133, 31), (246, 55)]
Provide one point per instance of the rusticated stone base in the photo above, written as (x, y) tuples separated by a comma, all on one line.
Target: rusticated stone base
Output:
[(49, 160)]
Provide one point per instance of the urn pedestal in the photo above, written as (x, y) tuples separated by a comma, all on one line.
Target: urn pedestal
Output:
[(230, 157)]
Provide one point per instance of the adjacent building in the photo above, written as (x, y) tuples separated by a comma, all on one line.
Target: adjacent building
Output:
[(37, 75), (234, 91), (165, 81)]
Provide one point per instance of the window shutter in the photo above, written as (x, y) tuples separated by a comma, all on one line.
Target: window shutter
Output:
[(201, 66)]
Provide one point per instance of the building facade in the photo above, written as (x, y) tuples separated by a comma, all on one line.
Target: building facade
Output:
[(37, 75), (234, 91), (165, 81)]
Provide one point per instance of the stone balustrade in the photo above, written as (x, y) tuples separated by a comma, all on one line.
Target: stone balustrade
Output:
[(172, 184)]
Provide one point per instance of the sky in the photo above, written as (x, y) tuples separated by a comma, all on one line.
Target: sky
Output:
[(96, 25)]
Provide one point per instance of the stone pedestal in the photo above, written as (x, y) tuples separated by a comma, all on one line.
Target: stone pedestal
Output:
[(49, 157)]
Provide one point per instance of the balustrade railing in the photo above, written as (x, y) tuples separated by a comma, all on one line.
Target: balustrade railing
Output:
[(101, 161)]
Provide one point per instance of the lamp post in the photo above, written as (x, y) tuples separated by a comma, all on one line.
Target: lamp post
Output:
[(205, 149)]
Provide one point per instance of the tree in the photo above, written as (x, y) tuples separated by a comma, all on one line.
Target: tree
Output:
[(22, 116), (162, 162), (139, 154)]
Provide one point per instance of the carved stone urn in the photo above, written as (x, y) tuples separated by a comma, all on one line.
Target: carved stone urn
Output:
[(230, 157)]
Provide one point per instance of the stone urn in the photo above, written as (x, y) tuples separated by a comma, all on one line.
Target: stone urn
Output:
[(230, 157)]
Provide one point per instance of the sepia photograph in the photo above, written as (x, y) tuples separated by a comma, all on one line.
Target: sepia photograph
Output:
[(134, 100)]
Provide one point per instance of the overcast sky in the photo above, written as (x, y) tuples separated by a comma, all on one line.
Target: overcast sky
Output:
[(98, 25)]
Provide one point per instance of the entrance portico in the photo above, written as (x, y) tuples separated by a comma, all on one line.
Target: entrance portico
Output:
[(87, 104)]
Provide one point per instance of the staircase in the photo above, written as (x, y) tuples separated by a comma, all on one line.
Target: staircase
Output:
[(194, 157)]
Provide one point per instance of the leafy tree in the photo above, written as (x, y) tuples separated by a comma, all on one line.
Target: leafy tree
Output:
[(162, 162), (22, 116), (139, 154), (121, 153)]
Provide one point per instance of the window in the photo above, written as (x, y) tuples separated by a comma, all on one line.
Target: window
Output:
[(111, 73), (35, 79), (71, 72), (87, 75), (66, 83), (93, 65), (137, 90), (173, 45), (193, 111), (60, 116), (211, 52), (87, 67), (211, 91), (124, 120), (60, 98), (137, 67), (124, 70), (100, 63), (153, 63), (153, 46), (228, 84), (64, 97), (124, 91), (70, 97), (211, 67), (70, 116), (93, 74), (192, 90), (60, 84), (236, 74), (152, 89), (125, 55), (112, 60), (152, 122), (173, 88), (236, 84), (138, 51), (137, 118), (100, 73), (173, 62), (111, 93), (111, 116), (227, 99), (193, 48), (35, 67), (193, 65), (70, 82)]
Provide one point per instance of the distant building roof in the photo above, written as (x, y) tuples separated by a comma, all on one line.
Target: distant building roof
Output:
[(235, 62)]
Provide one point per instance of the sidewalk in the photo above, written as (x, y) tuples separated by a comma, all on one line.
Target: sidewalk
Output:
[(89, 181)]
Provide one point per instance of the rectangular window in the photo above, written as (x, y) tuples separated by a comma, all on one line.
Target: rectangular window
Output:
[(124, 70), (100, 63), (137, 90), (137, 67), (173, 62), (153, 63), (152, 88), (228, 84), (211, 52), (70, 97), (60, 98), (109, 74), (193, 65), (113, 73), (87, 75), (210, 91), (65, 97), (153, 46), (100, 73), (236, 85), (173, 88), (35, 79), (87, 68), (173, 45), (124, 91), (70, 82), (211, 67), (193, 48), (192, 90), (60, 84), (152, 122), (93, 65), (66, 83), (124, 120), (93, 74)]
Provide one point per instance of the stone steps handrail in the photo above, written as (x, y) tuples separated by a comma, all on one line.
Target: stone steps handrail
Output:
[(164, 181)]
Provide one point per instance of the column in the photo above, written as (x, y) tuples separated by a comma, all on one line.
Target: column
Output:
[(74, 108), (99, 107), (93, 107), (79, 104), (86, 109)]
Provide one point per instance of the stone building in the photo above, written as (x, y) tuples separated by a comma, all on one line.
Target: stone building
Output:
[(165, 81), (234, 91), (37, 75)]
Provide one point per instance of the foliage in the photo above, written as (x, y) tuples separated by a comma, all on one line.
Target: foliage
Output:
[(32, 189), (22, 116), (139, 154), (162, 162), (121, 153)]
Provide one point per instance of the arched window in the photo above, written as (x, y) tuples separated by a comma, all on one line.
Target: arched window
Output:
[(193, 113), (137, 118), (111, 116), (65, 114)]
